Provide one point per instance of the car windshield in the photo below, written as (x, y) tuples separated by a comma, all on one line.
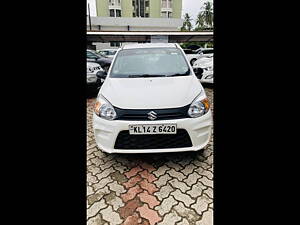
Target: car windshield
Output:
[(149, 62), (108, 52)]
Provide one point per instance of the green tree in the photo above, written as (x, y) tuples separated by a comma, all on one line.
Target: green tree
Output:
[(187, 25), (208, 14), (200, 22)]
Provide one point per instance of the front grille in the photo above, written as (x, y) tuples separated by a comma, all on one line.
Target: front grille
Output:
[(142, 114), (155, 141)]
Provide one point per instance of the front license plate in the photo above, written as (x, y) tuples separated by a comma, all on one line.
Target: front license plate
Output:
[(153, 129)]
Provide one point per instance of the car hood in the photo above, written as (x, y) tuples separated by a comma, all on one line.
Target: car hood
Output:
[(104, 60), (151, 93), (204, 62)]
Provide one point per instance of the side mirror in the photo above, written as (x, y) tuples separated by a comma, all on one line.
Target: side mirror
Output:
[(198, 72), (101, 74)]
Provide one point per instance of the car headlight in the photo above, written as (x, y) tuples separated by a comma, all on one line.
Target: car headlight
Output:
[(104, 109), (90, 69), (199, 107)]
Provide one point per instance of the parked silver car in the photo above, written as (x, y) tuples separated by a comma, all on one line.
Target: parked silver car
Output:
[(93, 82)]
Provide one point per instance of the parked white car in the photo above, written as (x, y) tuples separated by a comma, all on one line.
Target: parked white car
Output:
[(206, 63), (151, 102), (192, 56), (93, 83)]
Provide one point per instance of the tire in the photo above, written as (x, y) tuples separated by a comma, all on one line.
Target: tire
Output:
[(106, 68), (193, 61)]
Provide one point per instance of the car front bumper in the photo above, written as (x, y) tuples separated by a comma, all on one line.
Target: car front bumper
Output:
[(106, 132), (206, 74)]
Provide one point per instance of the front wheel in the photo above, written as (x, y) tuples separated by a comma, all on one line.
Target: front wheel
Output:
[(106, 68), (193, 61)]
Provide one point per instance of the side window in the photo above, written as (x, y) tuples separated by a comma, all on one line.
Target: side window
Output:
[(115, 44), (90, 55)]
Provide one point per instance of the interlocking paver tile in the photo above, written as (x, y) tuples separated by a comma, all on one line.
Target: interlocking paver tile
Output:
[(150, 177), (191, 215), (184, 222), (162, 180), (201, 204), (113, 200), (148, 167), (186, 199), (209, 192), (207, 218), (166, 205), (170, 218), (129, 208), (191, 179), (188, 169), (95, 208), (117, 188), (109, 215), (161, 170), (132, 220), (164, 191), (196, 190), (174, 166), (151, 188), (175, 174), (179, 185), (96, 196), (134, 171), (206, 181), (96, 220), (102, 183), (149, 199), (149, 214), (131, 193), (132, 181)]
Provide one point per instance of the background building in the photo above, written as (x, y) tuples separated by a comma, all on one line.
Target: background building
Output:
[(139, 8), (134, 15)]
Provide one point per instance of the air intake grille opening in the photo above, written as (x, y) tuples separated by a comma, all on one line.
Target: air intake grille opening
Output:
[(156, 141)]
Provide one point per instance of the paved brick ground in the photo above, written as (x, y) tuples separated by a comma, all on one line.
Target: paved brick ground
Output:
[(148, 189)]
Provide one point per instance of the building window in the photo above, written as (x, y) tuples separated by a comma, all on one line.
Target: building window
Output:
[(118, 13), (166, 4), (140, 8), (115, 13), (115, 44), (112, 13)]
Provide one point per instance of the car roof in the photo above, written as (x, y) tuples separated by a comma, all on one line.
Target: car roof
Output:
[(150, 45)]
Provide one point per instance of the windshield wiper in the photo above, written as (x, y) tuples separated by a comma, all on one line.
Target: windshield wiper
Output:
[(179, 74), (145, 75)]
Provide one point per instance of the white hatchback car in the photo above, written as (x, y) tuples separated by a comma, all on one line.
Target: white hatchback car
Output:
[(150, 102), (206, 63)]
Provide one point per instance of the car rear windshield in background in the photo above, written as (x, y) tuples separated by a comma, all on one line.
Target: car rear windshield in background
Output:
[(149, 61)]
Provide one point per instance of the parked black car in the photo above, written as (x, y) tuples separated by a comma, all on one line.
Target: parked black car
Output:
[(104, 62)]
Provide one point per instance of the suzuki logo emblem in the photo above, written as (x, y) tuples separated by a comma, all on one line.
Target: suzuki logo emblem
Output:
[(152, 115)]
